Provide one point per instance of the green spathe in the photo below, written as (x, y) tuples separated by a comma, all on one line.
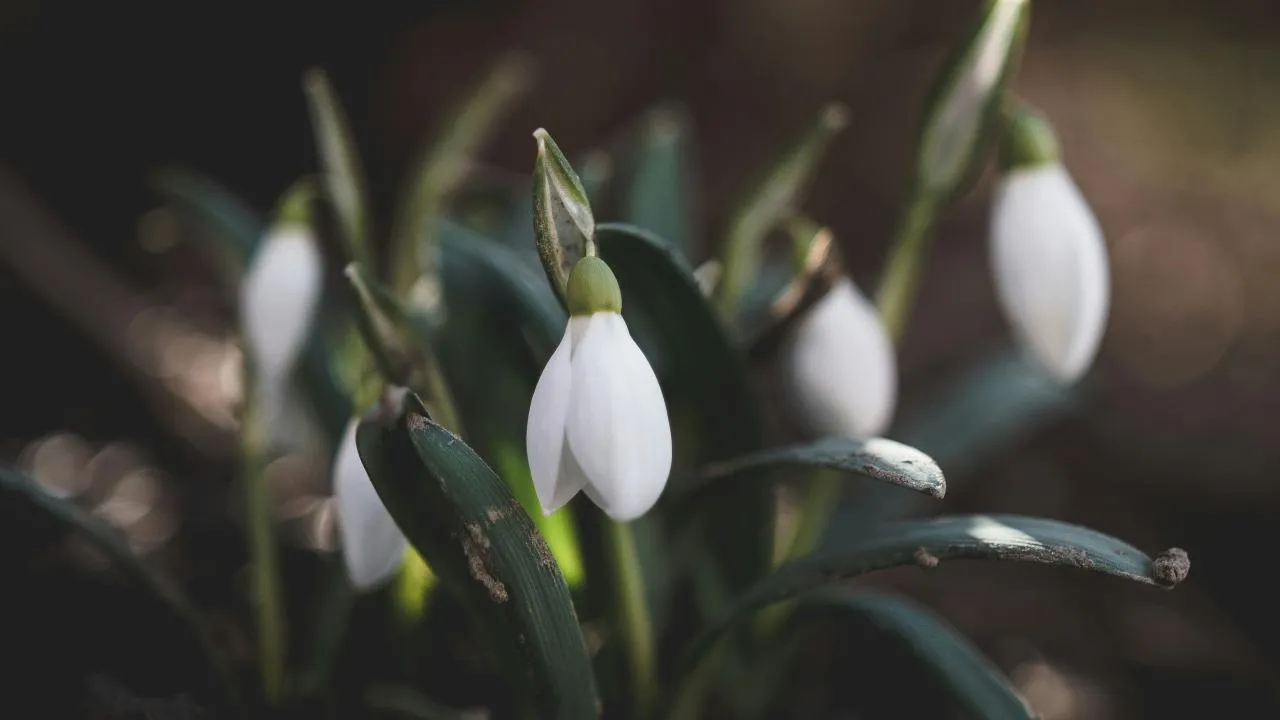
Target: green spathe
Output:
[(592, 288), (1028, 140)]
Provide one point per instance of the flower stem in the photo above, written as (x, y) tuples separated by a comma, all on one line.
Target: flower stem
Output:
[(634, 616), (262, 549), (901, 275)]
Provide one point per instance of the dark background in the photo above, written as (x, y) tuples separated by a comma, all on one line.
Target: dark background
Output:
[(1168, 114)]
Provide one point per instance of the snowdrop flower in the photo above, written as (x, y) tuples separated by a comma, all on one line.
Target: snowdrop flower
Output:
[(597, 421), (278, 300), (373, 547), (1048, 254), (839, 365)]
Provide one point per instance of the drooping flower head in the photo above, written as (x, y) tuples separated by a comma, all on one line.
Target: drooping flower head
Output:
[(1048, 254), (839, 365), (373, 547), (598, 422)]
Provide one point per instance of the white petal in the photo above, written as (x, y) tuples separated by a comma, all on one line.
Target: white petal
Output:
[(278, 298), (841, 367), (1051, 270), (555, 481), (618, 428), (372, 545)]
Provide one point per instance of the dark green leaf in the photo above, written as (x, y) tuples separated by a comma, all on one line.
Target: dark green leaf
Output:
[(659, 183), (714, 411), (969, 677), (989, 408), (235, 226), (406, 702), (443, 166), (927, 542), (875, 458), (20, 490), (482, 545), (340, 161)]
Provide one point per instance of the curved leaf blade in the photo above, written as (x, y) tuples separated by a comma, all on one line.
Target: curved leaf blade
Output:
[(72, 520), (876, 458), (977, 685), (340, 161), (927, 542), (659, 184), (482, 545)]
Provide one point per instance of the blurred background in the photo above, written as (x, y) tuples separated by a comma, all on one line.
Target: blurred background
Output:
[(120, 376)]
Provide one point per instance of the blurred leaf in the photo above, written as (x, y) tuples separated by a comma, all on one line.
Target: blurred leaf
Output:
[(443, 166), (237, 228), (991, 407), (43, 508), (397, 338), (408, 703), (659, 183), (772, 201), (709, 395), (485, 550), (562, 220), (927, 542), (340, 162), (875, 458), (977, 685)]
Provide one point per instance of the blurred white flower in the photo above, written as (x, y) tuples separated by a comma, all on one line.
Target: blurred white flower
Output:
[(840, 367), (597, 421), (278, 300), (1050, 264), (372, 545)]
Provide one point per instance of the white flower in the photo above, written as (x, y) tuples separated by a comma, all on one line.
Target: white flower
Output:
[(597, 421), (278, 299), (1050, 264), (839, 365), (372, 545)]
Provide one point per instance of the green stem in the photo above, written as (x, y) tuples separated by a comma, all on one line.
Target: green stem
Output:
[(901, 275), (262, 551), (634, 616)]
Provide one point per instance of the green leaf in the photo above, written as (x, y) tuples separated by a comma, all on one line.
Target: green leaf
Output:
[(232, 224), (977, 686), (444, 165), (989, 408), (659, 186), (713, 408), (773, 201), (926, 542), (340, 162), (482, 545), (19, 490), (563, 224), (875, 458)]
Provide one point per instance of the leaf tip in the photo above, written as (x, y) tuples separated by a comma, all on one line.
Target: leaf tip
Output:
[(835, 116), (1171, 567)]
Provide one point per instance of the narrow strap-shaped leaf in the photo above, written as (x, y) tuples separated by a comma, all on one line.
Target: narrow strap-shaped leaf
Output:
[(659, 184), (444, 164), (976, 685), (482, 545), (24, 491), (875, 458), (1000, 401), (340, 161), (927, 542)]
